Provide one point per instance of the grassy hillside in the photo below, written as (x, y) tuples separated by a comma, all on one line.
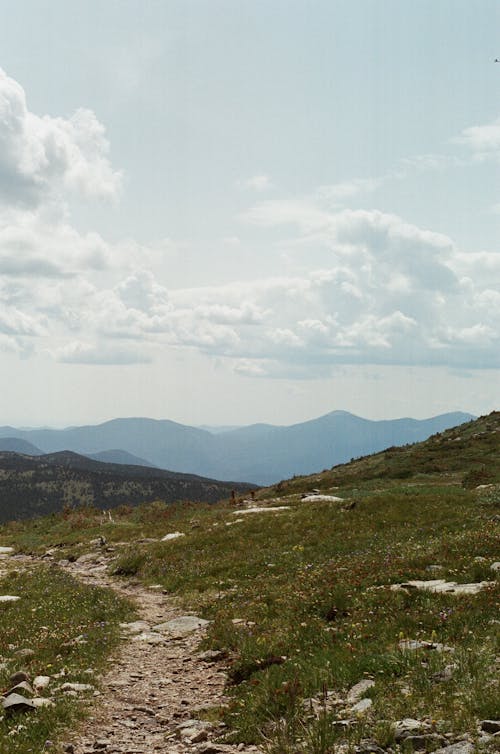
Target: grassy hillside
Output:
[(305, 600)]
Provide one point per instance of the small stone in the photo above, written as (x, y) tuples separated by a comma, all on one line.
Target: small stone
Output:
[(22, 688), (490, 726), (444, 675), (6, 550), (357, 691), (150, 637), (368, 746), (18, 677), (25, 653), (172, 535), (408, 727), (41, 682), (8, 598), (77, 687), (40, 701), (212, 655), (136, 627), (495, 566), (362, 706)]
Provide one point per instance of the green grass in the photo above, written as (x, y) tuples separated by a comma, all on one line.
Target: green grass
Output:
[(71, 629), (311, 587)]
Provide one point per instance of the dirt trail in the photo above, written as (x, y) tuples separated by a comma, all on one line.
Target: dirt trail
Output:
[(152, 689)]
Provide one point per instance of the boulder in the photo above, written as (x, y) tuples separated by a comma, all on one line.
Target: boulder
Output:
[(357, 691)]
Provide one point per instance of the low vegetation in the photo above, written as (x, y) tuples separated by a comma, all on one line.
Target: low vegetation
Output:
[(301, 599), (58, 628)]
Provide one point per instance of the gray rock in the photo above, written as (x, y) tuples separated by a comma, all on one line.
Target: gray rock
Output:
[(136, 627), (17, 703), (150, 637), (446, 674), (412, 645), (490, 726), (368, 746), (39, 701), (24, 652), (462, 747), (409, 727), (212, 655), (18, 677), (495, 566), (6, 550), (78, 687), (359, 689), (21, 688), (8, 598), (362, 706), (182, 626), (41, 682)]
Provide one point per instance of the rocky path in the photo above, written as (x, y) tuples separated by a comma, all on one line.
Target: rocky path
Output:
[(156, 685)]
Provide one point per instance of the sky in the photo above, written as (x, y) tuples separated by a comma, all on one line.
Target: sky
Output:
[(224, 212)]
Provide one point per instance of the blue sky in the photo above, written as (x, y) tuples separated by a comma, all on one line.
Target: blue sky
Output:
[(227, 212)]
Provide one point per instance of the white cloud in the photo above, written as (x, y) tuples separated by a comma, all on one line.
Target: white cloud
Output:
[(99, 354), (42, 156), (482, 140)]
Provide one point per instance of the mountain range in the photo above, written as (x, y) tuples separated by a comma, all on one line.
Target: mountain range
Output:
[(260, 453)]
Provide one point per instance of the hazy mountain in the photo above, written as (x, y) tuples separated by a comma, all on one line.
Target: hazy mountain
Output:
[(260, 453), (18, 445), (119, 456), (37, 485)]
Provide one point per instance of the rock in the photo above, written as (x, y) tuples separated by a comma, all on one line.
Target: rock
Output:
[(18, 677), (77, 687), (357, 691), (8, 598), (412, 645), (172, 535), (490, 726), (409, 727), (136, 627), (276, 508), (89, 557), (183, 625), (446, 674), (150, 637), (6, 550), (21, 688), (322, 499), (368, 746), (495, 566), (212, 655), (443, 586), (25, 652), (39, 701), (17, 703), (41, 682), (362, 706), (462, 747)]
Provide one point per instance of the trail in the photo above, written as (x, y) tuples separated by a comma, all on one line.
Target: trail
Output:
[(152, 689)]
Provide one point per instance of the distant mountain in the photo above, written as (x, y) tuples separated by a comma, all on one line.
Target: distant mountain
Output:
[(38, 485), (119, 456), (18, 445), (260, 453)]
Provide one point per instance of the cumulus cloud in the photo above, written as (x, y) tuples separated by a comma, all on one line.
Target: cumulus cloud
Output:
[(41, 156), (482, 140)]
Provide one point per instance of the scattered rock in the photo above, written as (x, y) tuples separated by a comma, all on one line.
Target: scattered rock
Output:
[(446, 674), (495, 566), (40, 701), (41, 682), (412, 645), (6, 550), (490, 726), (22, 688), (136, 627), (183, 625), (172, 535), (9, 598), (462, 747), (357, 691), (362, 706), (409, 727), (322, 499), (17, 703), (78, 687), (368, 746), (261, 510), (151, 637), (443, 586), (18, 677)]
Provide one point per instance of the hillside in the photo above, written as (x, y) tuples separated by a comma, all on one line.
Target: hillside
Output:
[(36, 486), (260, 453), (363, 618)]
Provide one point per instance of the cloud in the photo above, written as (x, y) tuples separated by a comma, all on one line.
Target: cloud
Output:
[(257, 183), (482, 140), (42, 157), (99, 354)]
